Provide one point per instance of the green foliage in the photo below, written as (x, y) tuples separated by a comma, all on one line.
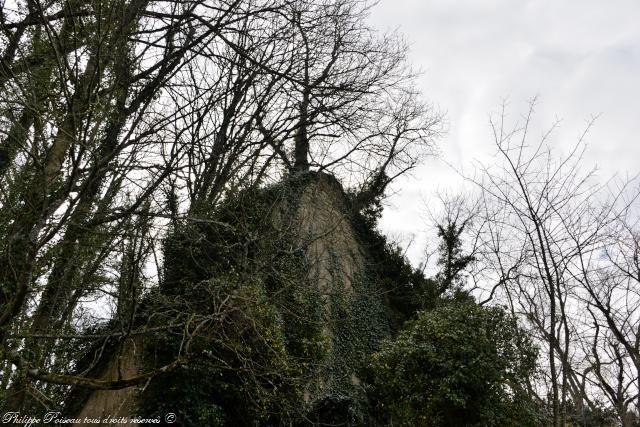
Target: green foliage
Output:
[(244, 371), (451, 259), (457, 365), (404, 288), (358, 321), (273, 349), (255, 362)]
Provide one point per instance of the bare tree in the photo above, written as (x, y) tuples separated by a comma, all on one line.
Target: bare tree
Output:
[(543, 232), (120, 118)]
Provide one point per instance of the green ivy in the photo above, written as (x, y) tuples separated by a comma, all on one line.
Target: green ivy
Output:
[(270, 362)]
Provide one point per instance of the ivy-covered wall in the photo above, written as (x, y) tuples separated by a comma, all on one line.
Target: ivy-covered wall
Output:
[(293, 292)]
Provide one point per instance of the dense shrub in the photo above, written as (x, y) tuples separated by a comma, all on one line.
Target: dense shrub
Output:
[(457, 365)]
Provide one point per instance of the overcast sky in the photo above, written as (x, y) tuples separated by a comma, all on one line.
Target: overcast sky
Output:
[(581, 58)]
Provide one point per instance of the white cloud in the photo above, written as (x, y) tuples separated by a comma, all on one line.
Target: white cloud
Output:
[(581, 57)]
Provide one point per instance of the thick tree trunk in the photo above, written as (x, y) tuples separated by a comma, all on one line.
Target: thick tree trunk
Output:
[(302, 138)]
